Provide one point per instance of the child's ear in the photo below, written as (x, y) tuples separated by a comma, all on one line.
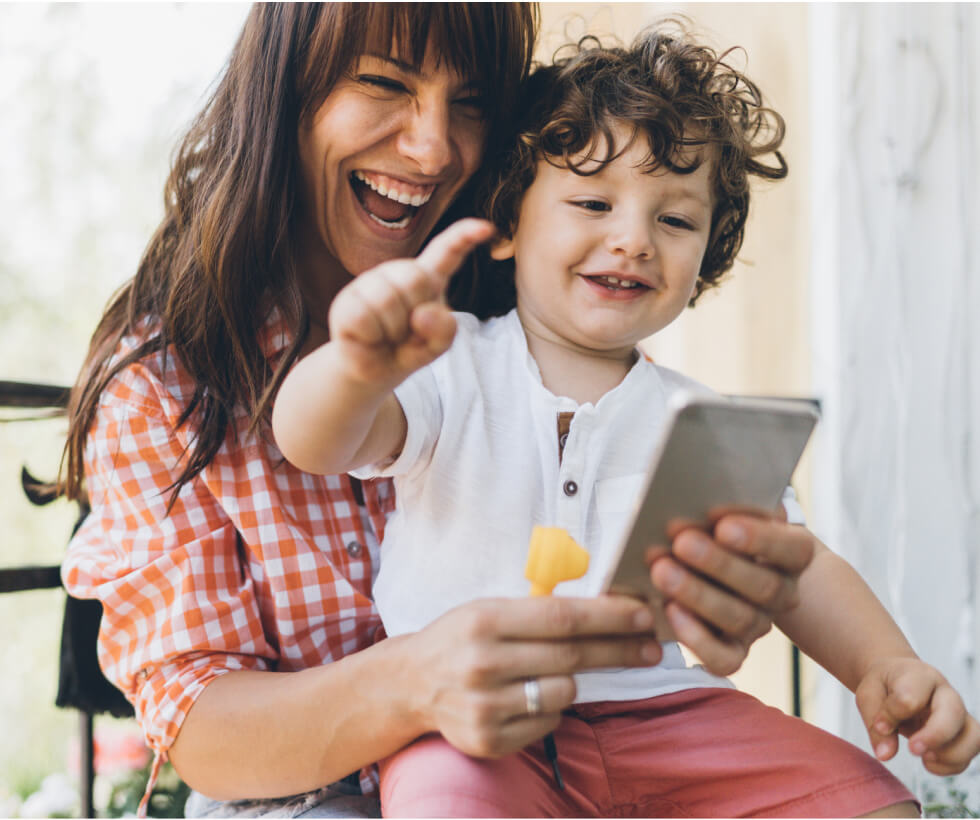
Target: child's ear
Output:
[(502, 248)]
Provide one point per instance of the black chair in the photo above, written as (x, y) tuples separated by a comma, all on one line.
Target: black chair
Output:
[(81, 684)]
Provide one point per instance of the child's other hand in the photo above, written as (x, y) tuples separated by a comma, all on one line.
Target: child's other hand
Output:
[(909, 697), (391, 320)]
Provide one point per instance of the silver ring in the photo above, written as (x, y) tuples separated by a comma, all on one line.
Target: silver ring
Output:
[(532, 696)]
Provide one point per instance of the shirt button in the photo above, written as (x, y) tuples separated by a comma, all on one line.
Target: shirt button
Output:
[(570, 488), (563, 439), (354, 549)]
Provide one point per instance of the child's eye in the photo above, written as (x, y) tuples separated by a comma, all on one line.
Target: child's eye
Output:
[(379, 81), (595, 205), (677, 222)]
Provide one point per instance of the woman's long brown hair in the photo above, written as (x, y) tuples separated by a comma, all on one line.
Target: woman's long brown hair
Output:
[(223, 256)]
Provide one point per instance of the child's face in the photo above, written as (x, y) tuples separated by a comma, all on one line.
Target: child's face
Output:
[(604, 261)]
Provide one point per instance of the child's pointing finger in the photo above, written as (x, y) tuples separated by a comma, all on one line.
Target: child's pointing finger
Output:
[(446, 252)]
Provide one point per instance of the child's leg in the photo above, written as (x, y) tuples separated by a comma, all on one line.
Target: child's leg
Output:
[(722, 753), (430, 778)]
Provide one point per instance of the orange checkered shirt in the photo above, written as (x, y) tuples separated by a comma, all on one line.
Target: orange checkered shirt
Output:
[(257, 566)]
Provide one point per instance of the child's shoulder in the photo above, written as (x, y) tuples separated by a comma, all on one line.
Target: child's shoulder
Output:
[(493, 329), (675, 382)]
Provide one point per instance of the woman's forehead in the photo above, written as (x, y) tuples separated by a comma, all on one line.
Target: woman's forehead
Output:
[(415, 37)]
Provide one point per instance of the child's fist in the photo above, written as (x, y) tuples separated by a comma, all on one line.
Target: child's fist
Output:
[(909, 697), (392, 320)]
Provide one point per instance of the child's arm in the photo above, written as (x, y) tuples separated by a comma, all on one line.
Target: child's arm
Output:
[(335, 410), (842, 625)]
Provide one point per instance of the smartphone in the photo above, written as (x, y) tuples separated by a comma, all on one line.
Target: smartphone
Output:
[(717, 454)]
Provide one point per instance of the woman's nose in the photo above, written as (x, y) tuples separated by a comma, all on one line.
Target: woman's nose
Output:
[(425, 138)]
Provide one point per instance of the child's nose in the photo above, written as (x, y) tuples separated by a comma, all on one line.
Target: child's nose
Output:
[(633, 239)]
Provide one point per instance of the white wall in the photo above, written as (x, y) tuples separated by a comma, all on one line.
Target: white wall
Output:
[(896, 325)]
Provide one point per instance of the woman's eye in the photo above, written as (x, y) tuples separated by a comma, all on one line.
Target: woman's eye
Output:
[(473, 103), (378, 81)]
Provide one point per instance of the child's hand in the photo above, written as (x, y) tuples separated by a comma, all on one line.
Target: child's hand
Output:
[(391, 320), (909, 697)]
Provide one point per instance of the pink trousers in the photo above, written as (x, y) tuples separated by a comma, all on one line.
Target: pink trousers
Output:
[(697, 753)]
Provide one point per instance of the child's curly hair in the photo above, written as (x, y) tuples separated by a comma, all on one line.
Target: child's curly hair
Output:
[(679, 94)]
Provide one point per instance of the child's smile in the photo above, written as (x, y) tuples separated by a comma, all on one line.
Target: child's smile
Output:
[(605, 260)]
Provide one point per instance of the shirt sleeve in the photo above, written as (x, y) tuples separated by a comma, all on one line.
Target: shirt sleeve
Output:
[(419, 398), (179, 606)]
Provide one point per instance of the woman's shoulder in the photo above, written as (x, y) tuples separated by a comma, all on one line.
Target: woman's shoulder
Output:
[(155, 382), (157, 379)]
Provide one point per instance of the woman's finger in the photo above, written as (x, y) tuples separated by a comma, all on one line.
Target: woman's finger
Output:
[(727, 613), (785, 547), (719, 655), (753, 582), (538, 695), (555, 617), (512, 659)]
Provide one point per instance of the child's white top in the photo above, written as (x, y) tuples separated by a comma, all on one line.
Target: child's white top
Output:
[(480, 468)]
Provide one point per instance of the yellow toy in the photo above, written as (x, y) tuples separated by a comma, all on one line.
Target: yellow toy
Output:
[(553, 556)]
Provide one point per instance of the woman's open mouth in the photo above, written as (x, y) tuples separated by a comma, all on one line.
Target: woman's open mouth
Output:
[(390, 202)]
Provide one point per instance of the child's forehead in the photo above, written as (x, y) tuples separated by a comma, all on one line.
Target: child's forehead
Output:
[(624, 146)]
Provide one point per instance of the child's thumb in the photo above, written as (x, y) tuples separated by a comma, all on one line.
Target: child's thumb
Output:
[(870, 697)]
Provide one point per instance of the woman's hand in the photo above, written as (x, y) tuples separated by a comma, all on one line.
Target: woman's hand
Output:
[(723, 590), (467, 669), (905, 696)]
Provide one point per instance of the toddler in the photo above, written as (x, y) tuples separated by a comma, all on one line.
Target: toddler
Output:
[(624, 198)]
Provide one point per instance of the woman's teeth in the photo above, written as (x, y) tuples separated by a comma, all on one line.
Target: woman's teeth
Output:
[(401, 223), (390, 190)]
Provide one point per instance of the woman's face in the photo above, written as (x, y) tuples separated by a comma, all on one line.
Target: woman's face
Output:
[(382, 159)]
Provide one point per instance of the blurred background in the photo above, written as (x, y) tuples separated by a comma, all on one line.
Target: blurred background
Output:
[(858, 284)]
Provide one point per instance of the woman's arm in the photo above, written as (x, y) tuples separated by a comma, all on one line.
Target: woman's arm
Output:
[(265, 734)]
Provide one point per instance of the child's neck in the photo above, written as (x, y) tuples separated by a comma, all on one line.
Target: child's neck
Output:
[(580, 373)]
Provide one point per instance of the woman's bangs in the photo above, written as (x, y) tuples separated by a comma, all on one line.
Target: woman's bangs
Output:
[(406, 30)]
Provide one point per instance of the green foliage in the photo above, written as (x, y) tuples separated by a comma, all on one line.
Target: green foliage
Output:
[(167, 799), (952, 804)]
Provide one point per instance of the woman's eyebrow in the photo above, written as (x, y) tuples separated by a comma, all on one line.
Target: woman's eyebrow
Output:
[(408, 68)]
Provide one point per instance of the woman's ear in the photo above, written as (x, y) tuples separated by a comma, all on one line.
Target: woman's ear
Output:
[(502, 248)]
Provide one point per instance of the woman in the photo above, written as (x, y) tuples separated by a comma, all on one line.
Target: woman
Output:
[(236, 589)]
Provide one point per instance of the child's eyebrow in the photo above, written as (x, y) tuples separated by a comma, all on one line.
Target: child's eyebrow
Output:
[(694, 196)]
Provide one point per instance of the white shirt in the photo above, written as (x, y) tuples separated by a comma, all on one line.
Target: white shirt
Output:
[(480, 468)]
